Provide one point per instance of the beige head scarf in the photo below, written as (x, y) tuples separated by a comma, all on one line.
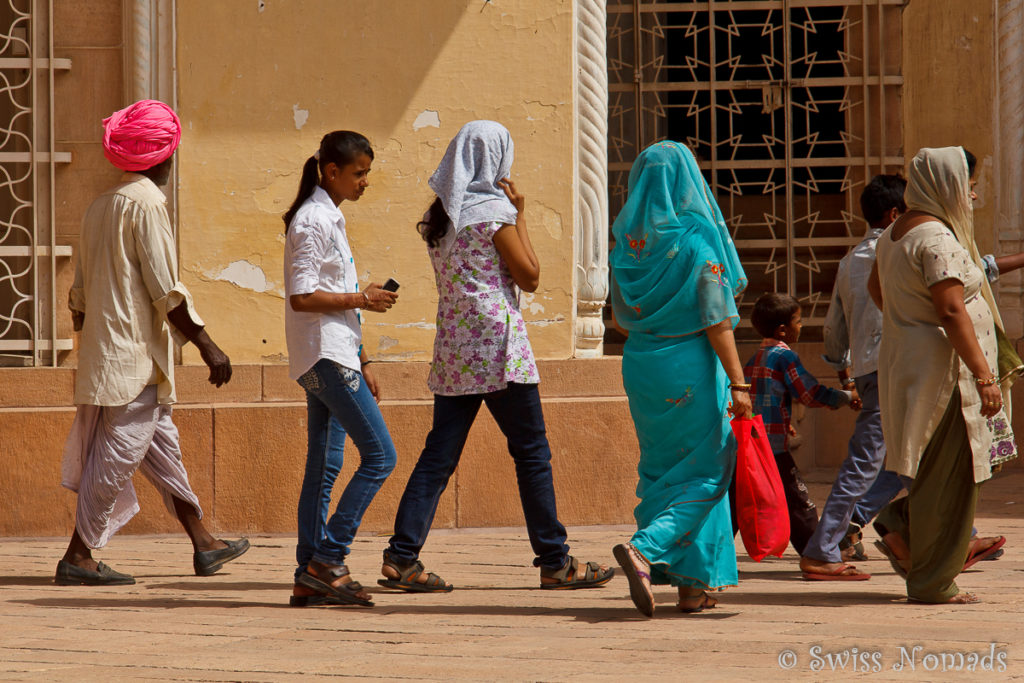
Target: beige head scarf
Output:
[(938, 184)]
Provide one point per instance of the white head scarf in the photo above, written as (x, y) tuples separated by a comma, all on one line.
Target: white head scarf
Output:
[(467, 178), (939, 184)]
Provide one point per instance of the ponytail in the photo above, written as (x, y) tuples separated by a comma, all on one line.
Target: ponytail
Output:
[(310, 178), (435, 224), (340, 147)]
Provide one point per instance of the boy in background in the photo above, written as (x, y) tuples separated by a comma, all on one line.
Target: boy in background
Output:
[(777, 376)]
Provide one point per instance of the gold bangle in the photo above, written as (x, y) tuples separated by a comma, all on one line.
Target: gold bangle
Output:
[(740, 387), (986, 382)]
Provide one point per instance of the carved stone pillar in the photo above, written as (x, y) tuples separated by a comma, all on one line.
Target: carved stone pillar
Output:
[(1009, 143), (149, 68), (591, 238), (149, 51)]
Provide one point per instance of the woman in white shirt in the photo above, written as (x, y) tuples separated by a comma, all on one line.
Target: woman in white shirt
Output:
[(326, 358)]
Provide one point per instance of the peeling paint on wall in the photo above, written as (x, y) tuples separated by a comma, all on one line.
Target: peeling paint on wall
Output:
[(420, 325), (548, 218), (245, 275), (530, 304), (386, 343), (428, 118), (300, 116), (544, 322), (260, 5), (536, 111)]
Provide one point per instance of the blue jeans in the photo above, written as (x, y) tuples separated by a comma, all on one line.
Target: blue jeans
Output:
[(886, 487), (517, 411), (864, 457), (338, 402)]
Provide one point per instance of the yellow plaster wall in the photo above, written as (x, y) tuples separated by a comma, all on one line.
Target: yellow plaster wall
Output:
[(260, 83), (950, 91)]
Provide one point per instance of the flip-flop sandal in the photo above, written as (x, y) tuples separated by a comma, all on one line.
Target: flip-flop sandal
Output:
[(705, 603), (994, 556), (640, 594), (569, 576), (891, 556), (986, 553), (837, 575), (408, 576), (346, 593)]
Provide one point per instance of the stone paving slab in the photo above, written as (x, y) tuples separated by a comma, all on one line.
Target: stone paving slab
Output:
[(237, 626)]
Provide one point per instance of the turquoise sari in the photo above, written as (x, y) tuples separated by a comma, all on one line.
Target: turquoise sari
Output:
[(675, 272)]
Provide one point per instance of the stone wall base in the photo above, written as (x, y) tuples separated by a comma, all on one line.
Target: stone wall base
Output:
[(244, 446)]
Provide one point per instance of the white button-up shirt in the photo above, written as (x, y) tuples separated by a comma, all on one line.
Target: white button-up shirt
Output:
[(317, 257), (853, 324), (126, 280)]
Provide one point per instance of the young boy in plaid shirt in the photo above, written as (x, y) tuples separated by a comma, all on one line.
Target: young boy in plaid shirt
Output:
[(777, 376)]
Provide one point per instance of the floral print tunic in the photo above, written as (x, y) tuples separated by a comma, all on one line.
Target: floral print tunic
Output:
[(481, 343)]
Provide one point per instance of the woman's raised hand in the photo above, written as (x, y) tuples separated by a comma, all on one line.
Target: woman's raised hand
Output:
[(741, 405), (378, 300), (517, 199)]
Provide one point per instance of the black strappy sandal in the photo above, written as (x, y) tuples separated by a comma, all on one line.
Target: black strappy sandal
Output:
[(345, 593), (570, 576), (408, 575)]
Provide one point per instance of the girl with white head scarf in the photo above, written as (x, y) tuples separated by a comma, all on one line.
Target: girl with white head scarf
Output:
[(938, 384), (482, 255)]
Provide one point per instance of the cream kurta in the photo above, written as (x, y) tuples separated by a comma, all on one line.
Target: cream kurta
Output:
[(918, 366), (125, 282)]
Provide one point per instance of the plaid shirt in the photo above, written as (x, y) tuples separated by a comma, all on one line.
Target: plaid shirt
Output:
[(776, 376)]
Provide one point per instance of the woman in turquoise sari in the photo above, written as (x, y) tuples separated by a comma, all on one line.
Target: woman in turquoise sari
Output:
[(675, 278)]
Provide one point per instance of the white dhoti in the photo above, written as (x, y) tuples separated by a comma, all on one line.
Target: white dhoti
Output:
[(105, 447)]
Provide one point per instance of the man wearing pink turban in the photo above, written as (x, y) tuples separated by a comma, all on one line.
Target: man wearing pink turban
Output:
[(141, 136), (130, 307)]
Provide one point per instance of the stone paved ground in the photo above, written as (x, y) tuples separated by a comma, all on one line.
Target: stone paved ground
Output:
[(173, 626)]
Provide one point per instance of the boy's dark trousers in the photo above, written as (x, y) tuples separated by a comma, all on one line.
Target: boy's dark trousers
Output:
[(803, 515)]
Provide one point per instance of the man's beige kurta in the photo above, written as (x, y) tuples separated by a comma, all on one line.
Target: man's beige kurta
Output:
[(125, 282)]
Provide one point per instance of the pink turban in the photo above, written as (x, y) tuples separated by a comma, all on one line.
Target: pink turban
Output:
[(141, 136)]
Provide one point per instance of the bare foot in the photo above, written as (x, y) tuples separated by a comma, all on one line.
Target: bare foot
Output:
[(812, 566), (980, 545), (964, 599)]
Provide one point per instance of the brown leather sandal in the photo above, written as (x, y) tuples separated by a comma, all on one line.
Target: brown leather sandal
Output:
[(345, 593), (569, 577), (408, 578)]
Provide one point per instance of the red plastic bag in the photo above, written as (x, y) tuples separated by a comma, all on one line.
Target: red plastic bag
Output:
[(761, 511)]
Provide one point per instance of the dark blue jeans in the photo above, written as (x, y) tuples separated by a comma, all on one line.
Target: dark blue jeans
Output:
[(338, 402), (517, 411)]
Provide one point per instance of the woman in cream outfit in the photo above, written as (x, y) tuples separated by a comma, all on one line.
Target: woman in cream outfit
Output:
[(937, 374)]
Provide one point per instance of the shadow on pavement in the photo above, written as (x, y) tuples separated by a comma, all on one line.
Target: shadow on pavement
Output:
[(593, 615), (26, 580), (200, 585)]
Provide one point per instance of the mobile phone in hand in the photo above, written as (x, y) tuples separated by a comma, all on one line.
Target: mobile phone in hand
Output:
[(391, 285)]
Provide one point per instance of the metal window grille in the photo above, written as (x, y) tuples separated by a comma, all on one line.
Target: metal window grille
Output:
[(789, 105), (28, 250)]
